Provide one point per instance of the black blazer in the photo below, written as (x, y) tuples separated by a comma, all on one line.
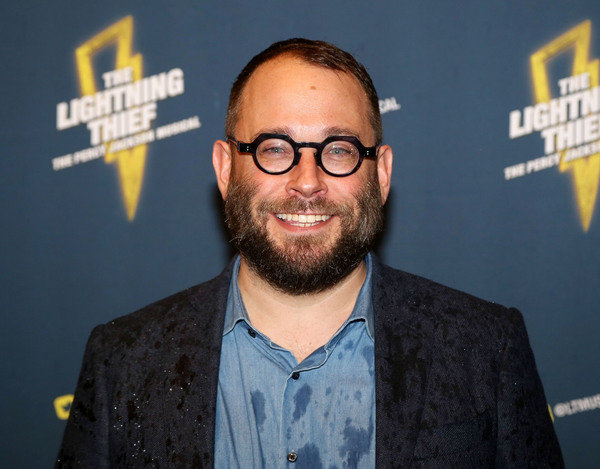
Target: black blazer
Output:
[(456, 383)]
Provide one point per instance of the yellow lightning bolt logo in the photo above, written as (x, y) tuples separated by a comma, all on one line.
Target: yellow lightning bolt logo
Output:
[(585, 171), (62, 406), (131, 162)]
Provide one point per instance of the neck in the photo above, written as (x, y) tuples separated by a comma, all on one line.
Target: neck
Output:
[(299, 323)]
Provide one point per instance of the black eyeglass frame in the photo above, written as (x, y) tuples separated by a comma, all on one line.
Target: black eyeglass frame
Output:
[(363, 152)]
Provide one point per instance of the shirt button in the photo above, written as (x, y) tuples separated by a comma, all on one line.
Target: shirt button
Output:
[(292, 457), (295, 375), (252, 333)]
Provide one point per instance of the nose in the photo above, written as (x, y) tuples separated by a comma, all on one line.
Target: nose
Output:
[(306, 178)]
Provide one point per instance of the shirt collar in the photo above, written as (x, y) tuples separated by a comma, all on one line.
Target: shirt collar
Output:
[(363, 308)]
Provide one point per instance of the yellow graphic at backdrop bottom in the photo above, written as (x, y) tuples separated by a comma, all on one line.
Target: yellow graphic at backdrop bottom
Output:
[(62, 406), (130, 163), (585, 171)]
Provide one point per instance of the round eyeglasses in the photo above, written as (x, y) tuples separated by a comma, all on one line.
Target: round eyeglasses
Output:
[(338, 156)]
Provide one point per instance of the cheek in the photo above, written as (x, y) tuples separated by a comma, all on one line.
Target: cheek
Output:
[(262, 185), (350, 188), (240, 168)]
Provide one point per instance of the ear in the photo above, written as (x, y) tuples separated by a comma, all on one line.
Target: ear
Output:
[(221, 158), (385, 159)]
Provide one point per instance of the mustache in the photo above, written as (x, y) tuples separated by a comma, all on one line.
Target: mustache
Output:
[(294, 204)]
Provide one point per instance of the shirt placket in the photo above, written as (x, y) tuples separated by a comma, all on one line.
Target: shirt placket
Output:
[(297, 407)]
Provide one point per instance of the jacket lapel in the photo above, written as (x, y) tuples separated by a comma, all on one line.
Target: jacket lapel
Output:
[(401, 361), (192, 361)]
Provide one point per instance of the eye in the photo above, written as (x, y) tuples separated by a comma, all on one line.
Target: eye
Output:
[(340, 150), (273, 149), (336, 150)]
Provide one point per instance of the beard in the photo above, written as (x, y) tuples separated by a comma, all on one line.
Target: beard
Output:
[(303, 263)]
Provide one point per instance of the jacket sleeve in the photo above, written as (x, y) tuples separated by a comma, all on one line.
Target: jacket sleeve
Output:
[(85, 441), (526, 437)]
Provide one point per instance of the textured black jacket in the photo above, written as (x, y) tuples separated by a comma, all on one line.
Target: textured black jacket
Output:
[(456, 383)]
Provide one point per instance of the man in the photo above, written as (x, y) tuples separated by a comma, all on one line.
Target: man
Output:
[(306, 351)]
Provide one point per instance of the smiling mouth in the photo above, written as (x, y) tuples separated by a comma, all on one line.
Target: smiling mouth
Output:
[(302, 220)]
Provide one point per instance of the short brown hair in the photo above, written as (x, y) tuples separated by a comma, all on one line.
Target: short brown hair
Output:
[(319, 53)]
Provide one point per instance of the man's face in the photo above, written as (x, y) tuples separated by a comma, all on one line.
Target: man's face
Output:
[(302, 231)]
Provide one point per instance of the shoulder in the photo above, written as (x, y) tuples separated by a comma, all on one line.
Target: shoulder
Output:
[(192, 309), (420, 303)]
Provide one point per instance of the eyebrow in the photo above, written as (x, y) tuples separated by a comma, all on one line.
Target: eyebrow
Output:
[(327, 132)]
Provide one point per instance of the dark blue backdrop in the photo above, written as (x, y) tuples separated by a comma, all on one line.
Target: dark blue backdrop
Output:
[(71, 259)]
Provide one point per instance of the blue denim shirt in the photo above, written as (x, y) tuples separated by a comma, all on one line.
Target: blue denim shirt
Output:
[(273, 412)]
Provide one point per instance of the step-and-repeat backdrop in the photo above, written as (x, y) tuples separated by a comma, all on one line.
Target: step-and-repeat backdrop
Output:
[(109, 111)]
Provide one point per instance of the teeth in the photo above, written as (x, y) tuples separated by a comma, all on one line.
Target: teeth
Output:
[(302, 219)]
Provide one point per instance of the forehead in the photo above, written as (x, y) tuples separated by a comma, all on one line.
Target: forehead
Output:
[(288, 93)]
